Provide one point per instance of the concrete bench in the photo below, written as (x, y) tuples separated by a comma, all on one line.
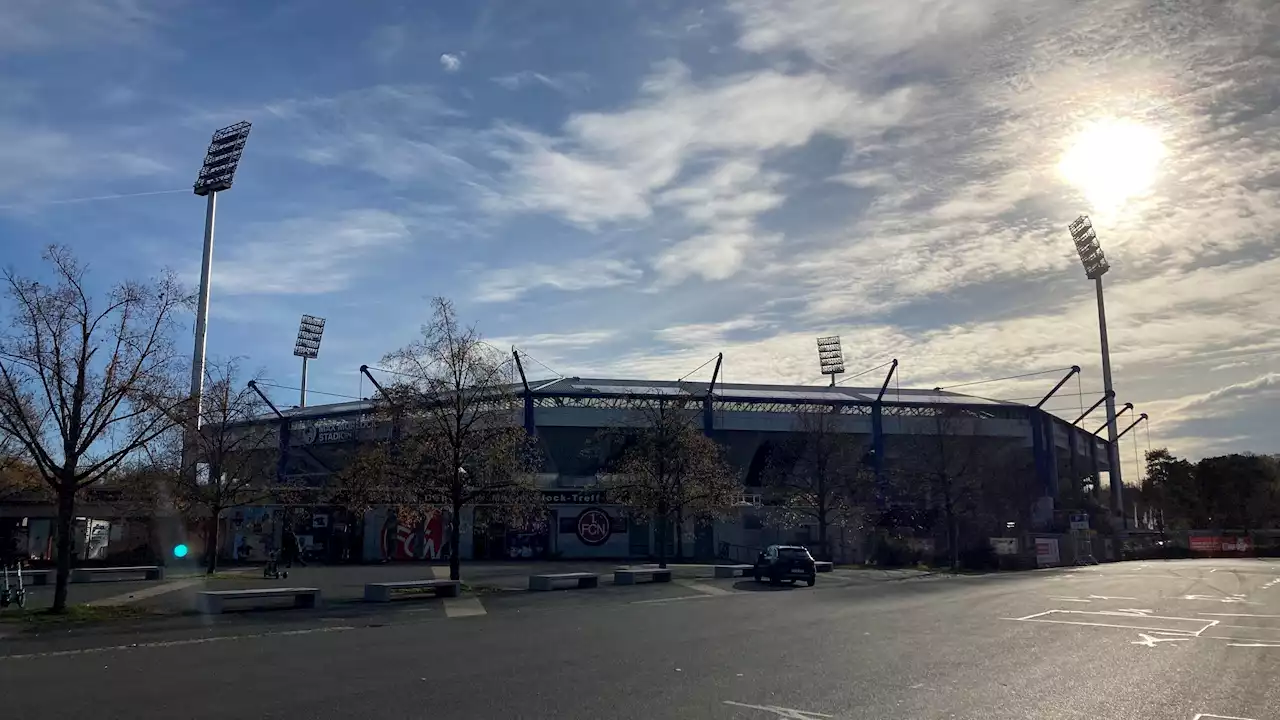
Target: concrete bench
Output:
[(87, 574), (729, 571), (629, 576), (381, 592), (564, 580), (823, 566), (211, 602)]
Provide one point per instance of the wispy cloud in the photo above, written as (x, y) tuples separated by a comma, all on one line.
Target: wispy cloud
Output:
[(27, 25), (505, 284), (38, 161), (450, 62), (312, 255), (561, 82)]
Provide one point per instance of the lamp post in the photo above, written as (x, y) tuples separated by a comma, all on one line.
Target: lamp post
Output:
[(307, 347), (830, 357), (218, 172), (1095, 266)]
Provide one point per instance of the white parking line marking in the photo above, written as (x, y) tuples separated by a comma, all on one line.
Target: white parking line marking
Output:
[(1233, 599), (787, 713), (660, 601), (1107, 614), (175, 643), (1238, 615), (1200, 716), (1258, 644), (1150, 641)]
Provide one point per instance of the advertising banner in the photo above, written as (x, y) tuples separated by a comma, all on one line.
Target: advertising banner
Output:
[(1206, 544), (1004, 546), (1047, 552)]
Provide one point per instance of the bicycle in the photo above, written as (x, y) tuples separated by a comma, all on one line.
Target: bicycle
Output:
[(10, 595), (272, 569)]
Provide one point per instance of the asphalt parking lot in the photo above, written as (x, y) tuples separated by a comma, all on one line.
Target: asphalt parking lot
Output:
[(1131, 641)]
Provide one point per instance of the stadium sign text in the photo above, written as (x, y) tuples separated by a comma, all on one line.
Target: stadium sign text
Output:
[(338, 430)]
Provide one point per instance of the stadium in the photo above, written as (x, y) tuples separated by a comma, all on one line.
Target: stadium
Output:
[(1054, 464)]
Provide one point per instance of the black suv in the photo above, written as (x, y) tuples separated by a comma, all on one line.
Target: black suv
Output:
[(786, 562)]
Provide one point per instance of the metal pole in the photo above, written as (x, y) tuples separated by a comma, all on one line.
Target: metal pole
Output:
[(303, 401), (202, 313), (1113, 454)]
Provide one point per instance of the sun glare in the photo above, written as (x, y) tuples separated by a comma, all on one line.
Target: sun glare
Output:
[(1111, 161)]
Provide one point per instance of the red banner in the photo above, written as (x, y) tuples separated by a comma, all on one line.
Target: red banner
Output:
[(1215, 545), (1206, 544)]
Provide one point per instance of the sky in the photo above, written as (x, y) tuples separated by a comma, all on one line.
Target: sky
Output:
[(625, 189)]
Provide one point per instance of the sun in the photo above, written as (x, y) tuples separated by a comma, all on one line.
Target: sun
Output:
[(1111, 161)]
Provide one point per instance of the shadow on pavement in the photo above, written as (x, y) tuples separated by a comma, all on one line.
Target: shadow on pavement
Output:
[(766, 586)]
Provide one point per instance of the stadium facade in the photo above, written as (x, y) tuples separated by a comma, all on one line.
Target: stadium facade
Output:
[(1055, 461), (1058, 460)]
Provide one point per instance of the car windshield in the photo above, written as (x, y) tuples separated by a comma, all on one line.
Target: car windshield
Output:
[(793, 553)]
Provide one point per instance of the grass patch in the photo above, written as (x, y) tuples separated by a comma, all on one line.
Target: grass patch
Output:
[(73, 615)]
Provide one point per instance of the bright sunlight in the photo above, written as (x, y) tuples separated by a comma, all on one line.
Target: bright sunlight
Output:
[(1111, 161)]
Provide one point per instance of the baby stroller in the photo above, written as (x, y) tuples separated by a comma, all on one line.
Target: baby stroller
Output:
[(11, 595), (272, 569)]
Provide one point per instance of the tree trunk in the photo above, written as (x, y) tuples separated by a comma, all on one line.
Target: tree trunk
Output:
[(66, 516), (680, 537), (662, 541), (822, 537), (455, 542), (953, 535), (211, 547)]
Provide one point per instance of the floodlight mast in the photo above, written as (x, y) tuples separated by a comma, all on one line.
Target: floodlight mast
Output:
[(307, 347), (1095, 266), (830, 357), (218, 172)]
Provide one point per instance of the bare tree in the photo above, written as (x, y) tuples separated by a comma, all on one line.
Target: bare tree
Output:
[(947, 470), (458, 439), (233, 458), (817, 477), (664, 468), (18, 475), (85, 384)]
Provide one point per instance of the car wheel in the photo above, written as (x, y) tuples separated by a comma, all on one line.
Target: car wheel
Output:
[(810, 581), (757, 574)]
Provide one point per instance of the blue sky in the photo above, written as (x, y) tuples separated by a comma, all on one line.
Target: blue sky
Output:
[(627, 188)]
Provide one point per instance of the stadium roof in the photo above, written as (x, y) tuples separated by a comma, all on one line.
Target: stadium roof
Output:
[(741, 392)]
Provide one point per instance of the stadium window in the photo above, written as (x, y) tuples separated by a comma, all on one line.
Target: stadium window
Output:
[(752, 521)]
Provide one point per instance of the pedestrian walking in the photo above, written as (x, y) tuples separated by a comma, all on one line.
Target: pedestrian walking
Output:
[(291, 551)]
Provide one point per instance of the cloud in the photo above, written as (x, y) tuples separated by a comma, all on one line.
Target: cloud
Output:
[(27, 25), (512, 283), (560, 82), (450, 62), (697, 148), (401, 133), (38, 162), (1222, 401), (308, 255), (837, 34)]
